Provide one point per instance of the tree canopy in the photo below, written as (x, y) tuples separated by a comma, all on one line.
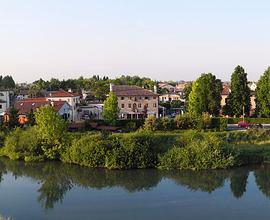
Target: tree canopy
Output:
[(111, 110), (239, 98), (263, 95), (205, 95)]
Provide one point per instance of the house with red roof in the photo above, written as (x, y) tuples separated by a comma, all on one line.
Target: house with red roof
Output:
[(73, 99), (26, 106)]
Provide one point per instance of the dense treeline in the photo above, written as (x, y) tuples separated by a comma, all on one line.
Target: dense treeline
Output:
[(98, 86), (7, 82)]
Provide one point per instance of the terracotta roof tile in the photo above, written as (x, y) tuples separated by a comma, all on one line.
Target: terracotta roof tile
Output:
[(124, 90), (226, 90), (28, 105), (62, 93)]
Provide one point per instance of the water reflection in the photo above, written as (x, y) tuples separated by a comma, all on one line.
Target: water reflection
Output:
[(56, 179)]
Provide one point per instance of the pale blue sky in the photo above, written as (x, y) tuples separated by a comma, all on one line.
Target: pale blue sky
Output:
[(161, 39)]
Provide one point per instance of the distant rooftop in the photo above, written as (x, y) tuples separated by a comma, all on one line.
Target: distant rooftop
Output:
[(62, 93), (124, 90)]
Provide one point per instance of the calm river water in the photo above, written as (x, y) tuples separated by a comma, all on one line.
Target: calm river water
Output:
[(60, 191)]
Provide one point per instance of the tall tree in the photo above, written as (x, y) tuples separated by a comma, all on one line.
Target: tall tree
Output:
[(239, 98), (111, 110), (7, 82), (263, 95), (51, 129), (205, 95)]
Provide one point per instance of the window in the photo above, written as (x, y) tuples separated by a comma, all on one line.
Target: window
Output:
[(2, 94), (139, 105), (145, 97), (129, 105), (122, 98), (155, 105), (0, 106), (154, 97), (123, 105)]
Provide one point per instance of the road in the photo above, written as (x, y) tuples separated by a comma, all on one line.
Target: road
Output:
[(234, 127)]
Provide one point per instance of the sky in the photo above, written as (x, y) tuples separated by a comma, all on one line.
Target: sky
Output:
[(160, 39)]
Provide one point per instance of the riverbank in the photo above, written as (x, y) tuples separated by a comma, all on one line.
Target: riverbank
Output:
[(195, 150)]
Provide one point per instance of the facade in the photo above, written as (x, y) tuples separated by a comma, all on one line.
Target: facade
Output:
[(170, 97), (224, 94), (72, 99), (4, 101), (135, 102), (92, 111), (27, 106)]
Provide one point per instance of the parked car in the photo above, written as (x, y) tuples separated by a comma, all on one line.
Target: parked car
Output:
[(243, 124)]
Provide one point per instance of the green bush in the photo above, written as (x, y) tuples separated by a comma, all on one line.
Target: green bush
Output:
[(166, 124), (209, 153), (219, 124), (22, 144), (89, 150), (134, 150), (203, 121), (185, 122), (151, 123)]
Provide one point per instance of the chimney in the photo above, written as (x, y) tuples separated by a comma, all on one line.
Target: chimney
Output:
[(111, 87), (69, 90), (52, 104)]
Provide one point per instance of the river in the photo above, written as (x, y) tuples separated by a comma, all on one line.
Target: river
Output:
[(53, 190)]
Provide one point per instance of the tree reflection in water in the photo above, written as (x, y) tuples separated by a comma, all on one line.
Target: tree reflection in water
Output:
[(56, 179)]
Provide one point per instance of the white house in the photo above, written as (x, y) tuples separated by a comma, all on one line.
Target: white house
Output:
[(4, 101), (73, 99)]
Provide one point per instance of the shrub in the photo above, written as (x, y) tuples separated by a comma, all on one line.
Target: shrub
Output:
[(89, 150), (166, 124), (22, 144), (131, 126), (134, 150), (204, 121), (151, 123), (209, 153), (223, 123), (184, 121)]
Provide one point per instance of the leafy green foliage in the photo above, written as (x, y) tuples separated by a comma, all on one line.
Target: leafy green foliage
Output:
[(151, 123), (89, 150), (263, 95), (7, 82), (22, 144), (208, 153), (239, 98), (205, 95), (184, 121), (51, 130), (111, 109), (166, 124), (13, 121)]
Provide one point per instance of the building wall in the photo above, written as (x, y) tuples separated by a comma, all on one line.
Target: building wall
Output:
[(73, 102), (4, 101), (135, 105), (223, 100), (169, 97)]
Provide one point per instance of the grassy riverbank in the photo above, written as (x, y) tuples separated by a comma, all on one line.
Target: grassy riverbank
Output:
[(143, 149)]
